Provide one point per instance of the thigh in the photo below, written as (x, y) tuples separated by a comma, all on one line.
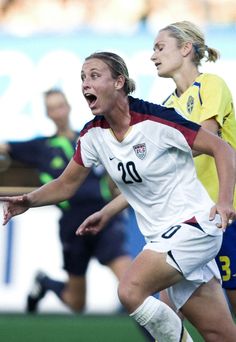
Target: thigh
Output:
[(120, 265), (226, 258), (150, 273), (208, 311)]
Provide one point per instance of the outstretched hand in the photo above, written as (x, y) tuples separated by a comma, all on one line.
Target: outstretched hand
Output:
[(13, 206), (227, 215), (92, 224)]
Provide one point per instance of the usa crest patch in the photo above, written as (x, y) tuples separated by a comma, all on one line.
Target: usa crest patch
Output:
[(140, 150)]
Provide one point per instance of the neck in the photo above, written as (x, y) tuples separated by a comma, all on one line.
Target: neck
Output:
[(185, 79), (119, 118)]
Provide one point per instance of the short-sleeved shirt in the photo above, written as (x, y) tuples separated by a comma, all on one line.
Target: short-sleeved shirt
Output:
[(208, 97), (50, 156), (153, 165)]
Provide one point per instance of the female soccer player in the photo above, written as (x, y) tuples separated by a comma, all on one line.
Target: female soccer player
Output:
[(147, 150), (203, 98), (50, 155)]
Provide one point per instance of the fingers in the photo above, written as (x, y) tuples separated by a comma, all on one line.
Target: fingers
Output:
[(80, 230), (224, 223), (212, 213), (6, 217), (84, 228), (5, 220), (227, 216)]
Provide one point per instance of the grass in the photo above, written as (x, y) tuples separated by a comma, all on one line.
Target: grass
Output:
[(73, 328)]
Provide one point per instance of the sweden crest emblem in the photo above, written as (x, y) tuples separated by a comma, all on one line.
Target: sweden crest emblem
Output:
[(190, 104)]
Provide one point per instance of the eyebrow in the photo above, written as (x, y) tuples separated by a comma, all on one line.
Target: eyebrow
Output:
[(93, 69), (159, 43)]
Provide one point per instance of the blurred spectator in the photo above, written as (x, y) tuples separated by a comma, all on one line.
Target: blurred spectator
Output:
[(25, 17)]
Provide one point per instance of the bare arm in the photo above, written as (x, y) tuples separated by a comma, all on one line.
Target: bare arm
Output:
[(60, 188), (210, 125), (225, 160), (113, 187), (97, 221), (53, 192)]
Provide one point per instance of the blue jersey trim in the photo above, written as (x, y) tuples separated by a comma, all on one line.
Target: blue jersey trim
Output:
[(197, 84)]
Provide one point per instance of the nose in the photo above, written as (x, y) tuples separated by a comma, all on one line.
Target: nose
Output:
[(153, 56), (85, 83)]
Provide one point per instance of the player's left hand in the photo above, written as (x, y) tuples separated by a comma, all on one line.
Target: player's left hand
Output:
[(92, 224), (227, 215)]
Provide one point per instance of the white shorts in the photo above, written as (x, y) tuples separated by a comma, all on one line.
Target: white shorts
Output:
[(191, 251)]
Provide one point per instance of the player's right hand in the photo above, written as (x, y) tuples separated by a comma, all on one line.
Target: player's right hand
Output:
[(13, 206)]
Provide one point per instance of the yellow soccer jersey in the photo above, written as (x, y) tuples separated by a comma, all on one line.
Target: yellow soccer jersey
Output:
[(208, 97)]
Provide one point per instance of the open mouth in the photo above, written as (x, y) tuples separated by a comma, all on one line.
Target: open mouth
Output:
[(91, 99)]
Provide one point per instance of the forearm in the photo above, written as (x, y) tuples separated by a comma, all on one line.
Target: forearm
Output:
[(224, 155), (50, 193), (225, 159), (115, 206)]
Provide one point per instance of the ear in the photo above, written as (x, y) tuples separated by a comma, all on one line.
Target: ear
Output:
[(187, 49), (120, 81)]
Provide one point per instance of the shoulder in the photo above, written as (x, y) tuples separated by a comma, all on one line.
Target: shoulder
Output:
[(98, 121), (214, 85), (142, 110), (212, 79), (147, 111)]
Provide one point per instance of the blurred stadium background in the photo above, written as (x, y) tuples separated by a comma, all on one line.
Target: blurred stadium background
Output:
[(42, 44)]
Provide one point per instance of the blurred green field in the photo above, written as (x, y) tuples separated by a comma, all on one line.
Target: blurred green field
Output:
[(71, 328)]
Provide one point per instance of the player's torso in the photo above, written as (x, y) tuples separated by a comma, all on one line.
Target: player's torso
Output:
[(137, 161), (156, 179), (197, 104)]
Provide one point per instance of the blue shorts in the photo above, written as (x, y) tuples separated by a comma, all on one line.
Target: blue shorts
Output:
[(106, 246), (226, 258)]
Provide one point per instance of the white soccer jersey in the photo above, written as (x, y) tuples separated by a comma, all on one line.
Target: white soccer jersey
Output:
[(153, 166)]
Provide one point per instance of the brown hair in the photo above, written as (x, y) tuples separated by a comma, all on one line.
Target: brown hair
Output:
[(117, 66)]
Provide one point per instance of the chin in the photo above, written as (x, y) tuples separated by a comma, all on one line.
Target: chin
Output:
[(162, 74), (95, 112)]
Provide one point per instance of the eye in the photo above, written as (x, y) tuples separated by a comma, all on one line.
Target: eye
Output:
[(159, 48), (94, 75)]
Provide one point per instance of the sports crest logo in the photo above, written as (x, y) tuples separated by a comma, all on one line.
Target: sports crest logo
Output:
[(140, 150), (190, 104)]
